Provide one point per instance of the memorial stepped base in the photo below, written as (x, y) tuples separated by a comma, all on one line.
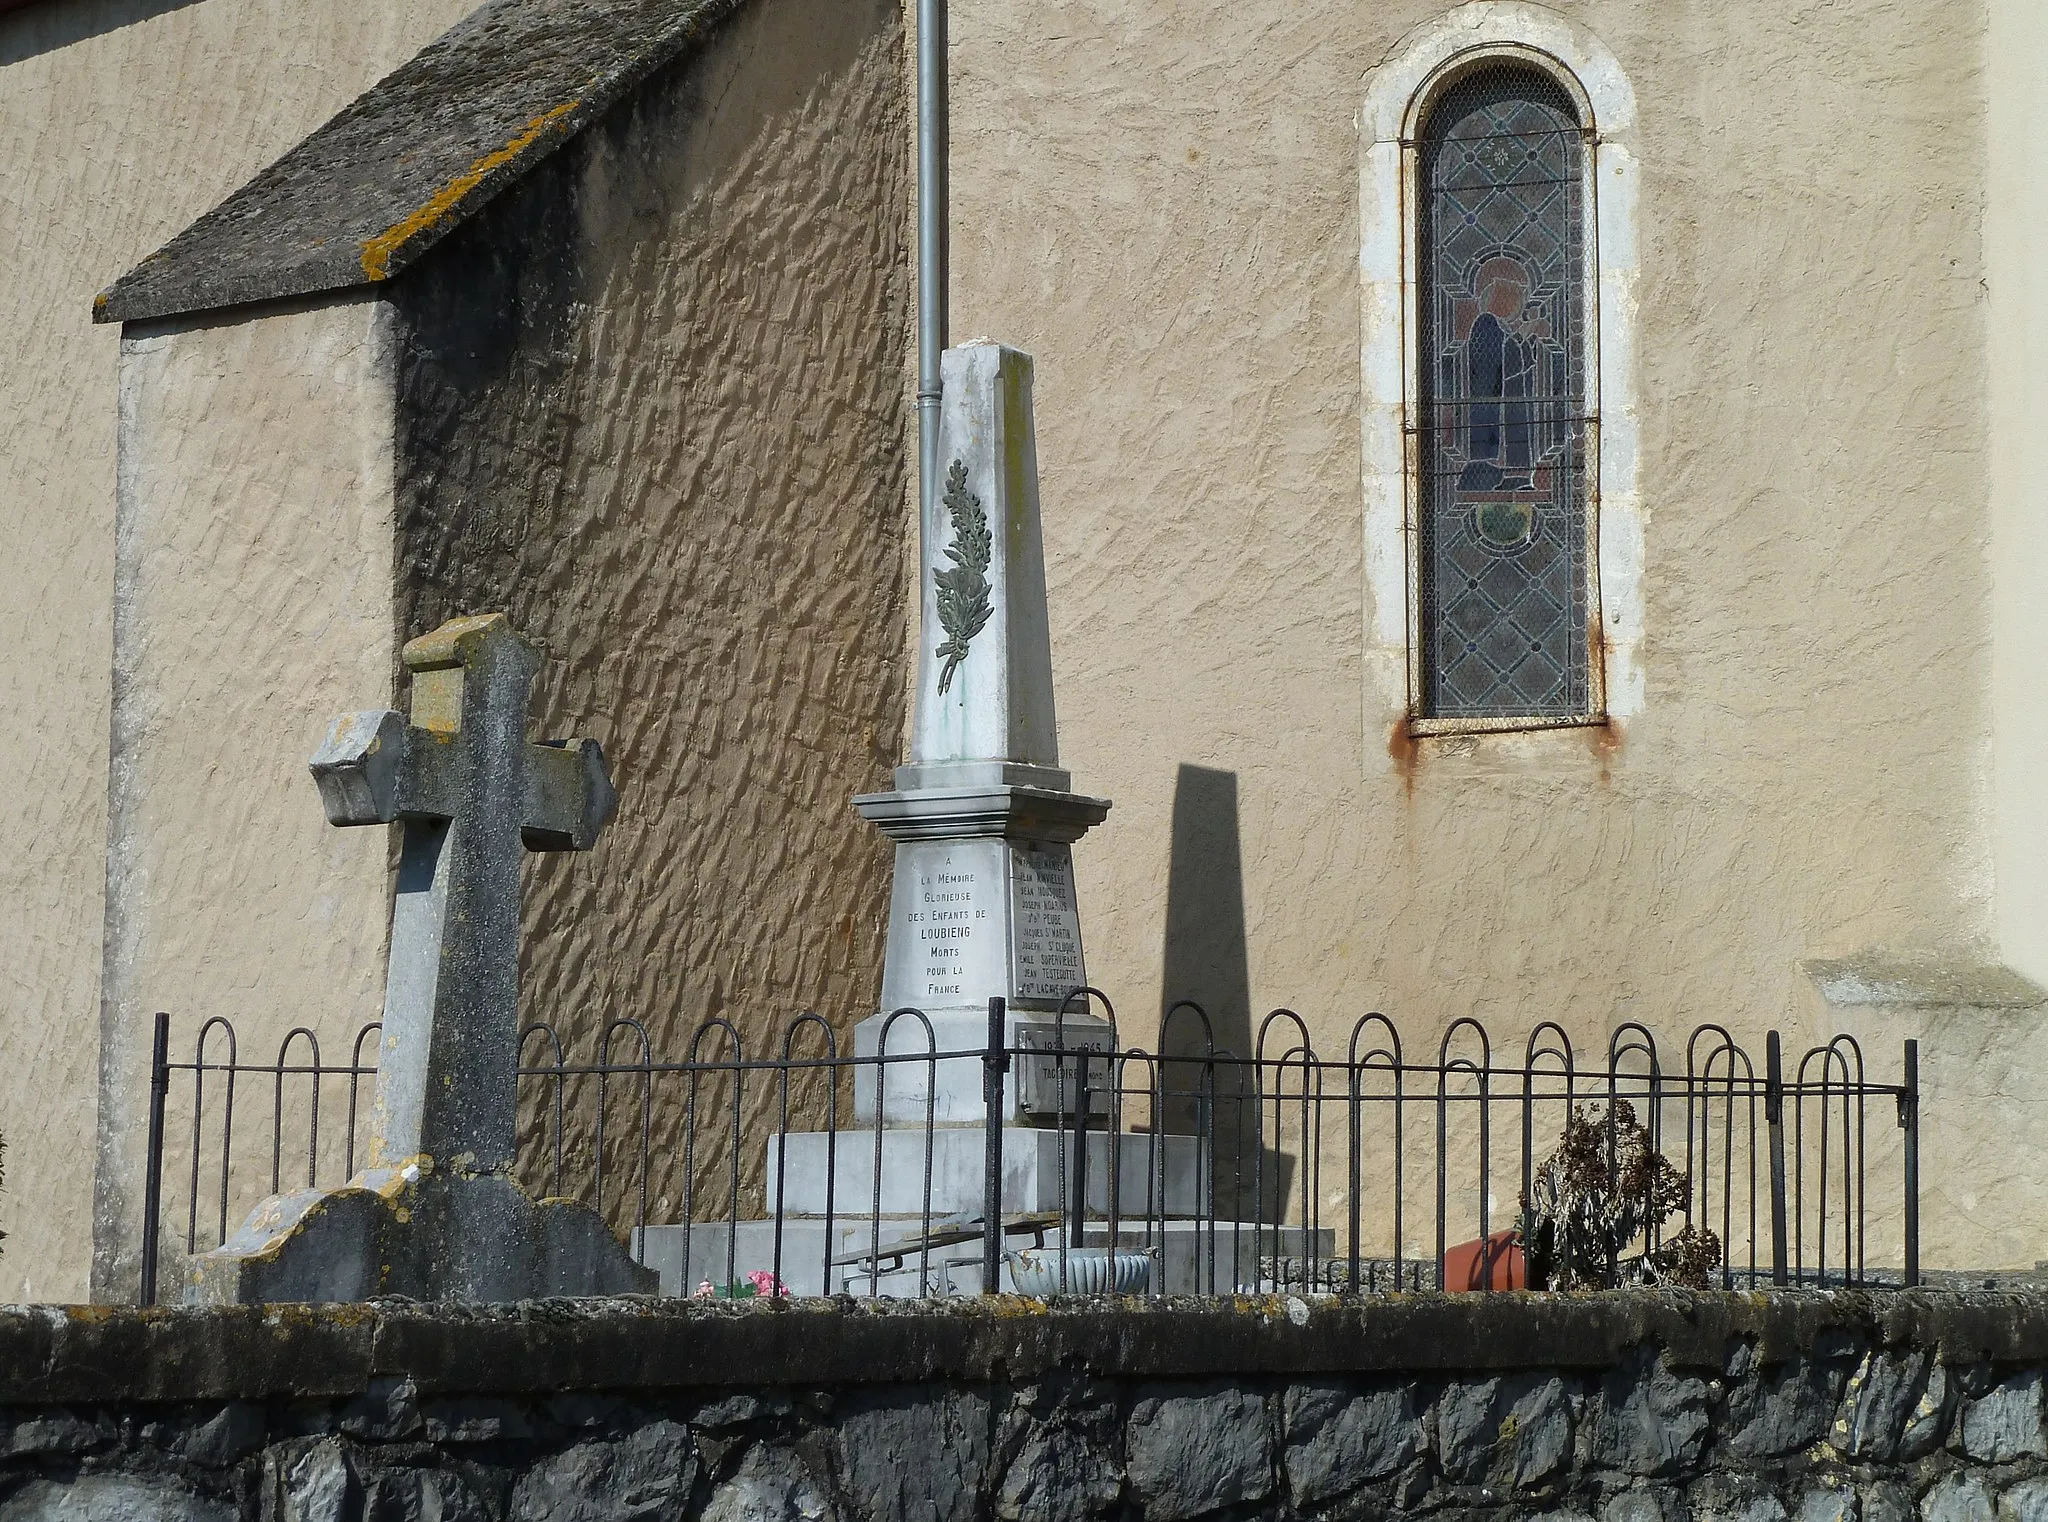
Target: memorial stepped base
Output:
[(1157, 1174), (1189, 1256)]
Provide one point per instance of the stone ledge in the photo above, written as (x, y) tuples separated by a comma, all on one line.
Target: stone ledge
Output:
[(1875, 978), (95, 1354)]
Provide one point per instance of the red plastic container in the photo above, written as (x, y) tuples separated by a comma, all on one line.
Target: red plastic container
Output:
[(1493, 1263)]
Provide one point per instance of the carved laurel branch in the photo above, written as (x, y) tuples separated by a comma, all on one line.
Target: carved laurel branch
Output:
[(963, 585)]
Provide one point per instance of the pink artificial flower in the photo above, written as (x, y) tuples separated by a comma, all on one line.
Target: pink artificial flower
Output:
[(703, 1291), (765, 1285)]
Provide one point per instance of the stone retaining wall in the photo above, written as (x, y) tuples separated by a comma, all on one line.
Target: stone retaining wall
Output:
[(1622, 1408)]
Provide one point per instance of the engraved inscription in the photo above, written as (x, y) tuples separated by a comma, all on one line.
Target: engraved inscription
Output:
[(949, 916), (1047, 933)]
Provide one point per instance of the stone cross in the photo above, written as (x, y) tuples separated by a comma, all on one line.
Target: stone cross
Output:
[(438, 1214), (472, 791)]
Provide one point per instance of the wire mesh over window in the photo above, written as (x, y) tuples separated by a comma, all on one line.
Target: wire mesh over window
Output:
[(1504, 558)]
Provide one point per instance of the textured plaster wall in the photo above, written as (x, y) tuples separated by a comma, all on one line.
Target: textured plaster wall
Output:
[(254, 539), (120, 120), (652, 406), (1160, 201), (2016, 227)]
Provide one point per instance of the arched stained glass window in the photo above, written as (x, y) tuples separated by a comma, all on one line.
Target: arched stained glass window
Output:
[(1503, 537)]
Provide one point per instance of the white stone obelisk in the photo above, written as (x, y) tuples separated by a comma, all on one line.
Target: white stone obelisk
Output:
[(982, 816)]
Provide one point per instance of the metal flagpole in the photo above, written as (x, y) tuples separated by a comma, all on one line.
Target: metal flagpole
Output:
[(931, 241)]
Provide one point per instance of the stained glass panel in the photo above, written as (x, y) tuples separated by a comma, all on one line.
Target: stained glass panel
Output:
[(1502, 541)]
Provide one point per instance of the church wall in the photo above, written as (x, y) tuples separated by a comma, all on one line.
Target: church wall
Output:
[(1161, 202), (2016, 231), (122, 120), (252, 603), (652, 405)]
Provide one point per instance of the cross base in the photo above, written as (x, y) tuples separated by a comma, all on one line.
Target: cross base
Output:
[(409, 1231)]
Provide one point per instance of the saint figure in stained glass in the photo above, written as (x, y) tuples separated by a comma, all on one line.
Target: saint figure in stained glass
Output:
[(1504, 561)]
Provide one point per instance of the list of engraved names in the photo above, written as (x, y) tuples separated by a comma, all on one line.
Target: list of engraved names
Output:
[(1048, 925)]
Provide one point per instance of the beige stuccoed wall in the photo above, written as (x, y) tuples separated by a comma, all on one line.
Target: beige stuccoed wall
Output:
[(120, 121), (1160, 201), (254, 542), (648, 402), (682, 469), (2016, 232)]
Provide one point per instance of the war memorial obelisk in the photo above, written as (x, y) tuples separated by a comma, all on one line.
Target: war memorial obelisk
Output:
[(983, 817)]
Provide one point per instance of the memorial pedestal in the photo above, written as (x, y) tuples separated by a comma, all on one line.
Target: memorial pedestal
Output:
[(983, 906), (1188, 1256), (1037, 1164)]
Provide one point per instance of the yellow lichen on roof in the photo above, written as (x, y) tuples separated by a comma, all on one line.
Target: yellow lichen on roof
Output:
[(377, 251)]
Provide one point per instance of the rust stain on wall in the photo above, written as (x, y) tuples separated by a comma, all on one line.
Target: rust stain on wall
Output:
[(1406, 754), (1604, 742)]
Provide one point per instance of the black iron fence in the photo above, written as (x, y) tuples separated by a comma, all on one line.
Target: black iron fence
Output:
[(1052, 1156)]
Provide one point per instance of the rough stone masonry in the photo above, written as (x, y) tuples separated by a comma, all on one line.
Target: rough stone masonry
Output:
[(1631, 1407)]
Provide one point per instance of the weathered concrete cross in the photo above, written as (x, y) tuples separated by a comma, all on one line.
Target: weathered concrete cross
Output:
[(438, 1214), (471, 789)]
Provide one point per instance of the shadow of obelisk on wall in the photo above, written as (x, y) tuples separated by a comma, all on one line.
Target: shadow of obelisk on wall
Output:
[(1205, 961)]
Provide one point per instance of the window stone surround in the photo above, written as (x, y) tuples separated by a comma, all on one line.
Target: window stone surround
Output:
[(1396, 92)]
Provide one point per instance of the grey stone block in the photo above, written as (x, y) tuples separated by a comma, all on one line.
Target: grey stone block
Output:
[(1957, 1498), (1734, 1498), (228, 1436), (645, 1475), (420, 1495), (1513, 1431), (2005, 1422), (1928, 1421), (310, 1483), (1649, 1421), (917, 1457), (475, 1419), (1887, 1503), (1828, 1503), (1637, 1506), (1779, 1409), (53, 1432), (1411, 1486), (1189, 1455), (1876, 1404), (387, 1411), (2024, 1502), (770, 1485), (1337, 1440), (110, 1498), (732, 1412), (1059, 1472)]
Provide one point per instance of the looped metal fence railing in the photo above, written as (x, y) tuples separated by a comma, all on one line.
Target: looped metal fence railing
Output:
[(1367, 1167)]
